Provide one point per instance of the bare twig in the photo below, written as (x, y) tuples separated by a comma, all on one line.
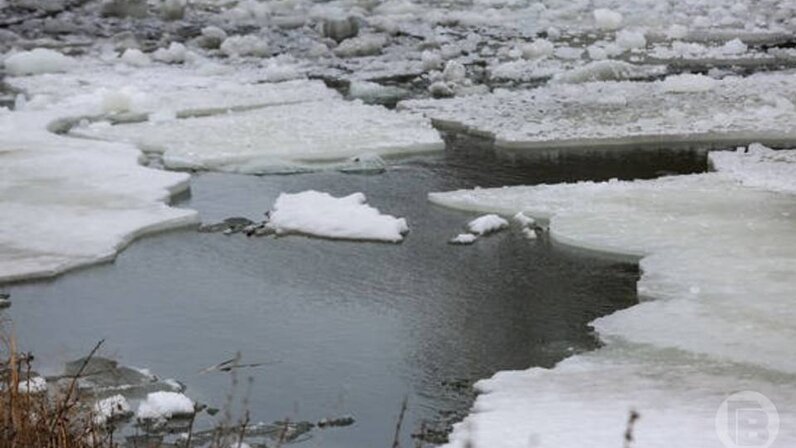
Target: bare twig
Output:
[(396, 441)]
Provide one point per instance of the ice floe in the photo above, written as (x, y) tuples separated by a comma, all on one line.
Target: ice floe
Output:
[(285, 137), (718, 260), (323, 215), (683, 109)]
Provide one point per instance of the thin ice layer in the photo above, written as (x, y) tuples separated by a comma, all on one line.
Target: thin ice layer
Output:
[(677, 110), (274, 138), (321, 214), (718, 261)]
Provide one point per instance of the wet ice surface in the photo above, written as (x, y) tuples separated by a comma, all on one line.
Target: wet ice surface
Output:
[(717, 257), (345, 327)]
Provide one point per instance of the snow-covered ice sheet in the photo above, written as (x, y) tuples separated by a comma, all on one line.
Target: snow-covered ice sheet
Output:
[(278, 138), (323, 215), (678, 110), (718, 256)]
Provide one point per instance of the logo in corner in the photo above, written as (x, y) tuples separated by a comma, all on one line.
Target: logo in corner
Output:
[(747, 419)]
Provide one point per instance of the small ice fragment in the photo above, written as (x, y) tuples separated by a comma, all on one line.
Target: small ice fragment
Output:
[(629, 39), (165, 405), (247, 45), (37, 61), (523, 220), (529, 233), (607, 19), (487, 224), (463, 239)]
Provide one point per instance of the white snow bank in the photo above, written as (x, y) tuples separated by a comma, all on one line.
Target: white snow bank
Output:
[(758, 166), (110, 408), (37, 61), (279, 138), (718, 263), (487, 224), (321, 214), (611, 114), (164, 405)]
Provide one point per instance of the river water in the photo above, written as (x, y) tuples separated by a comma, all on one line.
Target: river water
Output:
[(345, 327)]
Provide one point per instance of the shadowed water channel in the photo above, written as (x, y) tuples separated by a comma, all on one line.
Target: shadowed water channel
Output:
[(350, 328)]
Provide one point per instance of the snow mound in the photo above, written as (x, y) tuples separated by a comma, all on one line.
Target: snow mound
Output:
[(34, 385), (165, 405), (323, 215), (486, 224), (278, 138), (718, 259), (38, 61)]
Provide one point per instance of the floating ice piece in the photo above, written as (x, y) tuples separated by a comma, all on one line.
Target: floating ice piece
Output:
[(463, 239), (279, 138), (111, 408), (607, 19), (609, 70), (248, 45), (135, 57), (630, 39), (523, 220), (529, 233), (37, 61), (365, 45), (321, 214), (487, 224), (165, 405), (731, 111), (758, 166), (688, 83), (176, 53)]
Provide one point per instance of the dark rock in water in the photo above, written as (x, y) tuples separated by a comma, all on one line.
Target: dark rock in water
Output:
[(228, 226), (5, 300), (345, 420), (103, 376), (340, 29), (124, 8)]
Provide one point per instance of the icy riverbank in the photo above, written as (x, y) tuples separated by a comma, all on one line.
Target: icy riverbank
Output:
[(718, 260)]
